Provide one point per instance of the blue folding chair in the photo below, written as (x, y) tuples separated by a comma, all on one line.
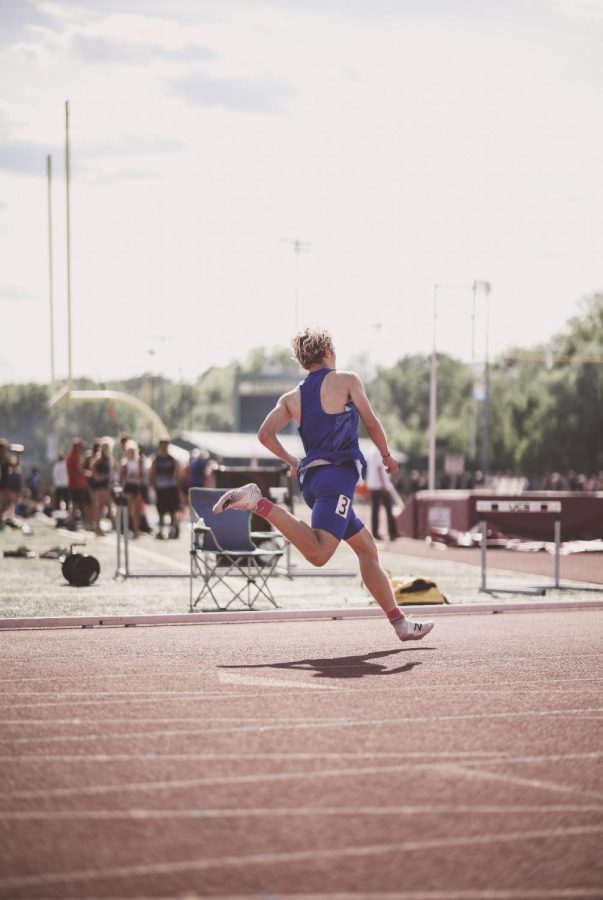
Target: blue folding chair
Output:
[(232, 568)]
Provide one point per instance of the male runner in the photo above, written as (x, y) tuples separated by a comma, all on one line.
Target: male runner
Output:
[(326, 407)]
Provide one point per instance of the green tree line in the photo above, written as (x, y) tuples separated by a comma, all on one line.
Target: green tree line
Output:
[(545, 404)]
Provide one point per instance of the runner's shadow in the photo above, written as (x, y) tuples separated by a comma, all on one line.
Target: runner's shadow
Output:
[(339, 667)]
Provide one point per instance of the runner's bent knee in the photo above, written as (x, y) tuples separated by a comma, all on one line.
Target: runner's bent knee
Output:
[(325, 546)]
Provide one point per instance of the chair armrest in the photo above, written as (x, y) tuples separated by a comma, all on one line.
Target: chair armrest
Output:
[(198, 532), (278, 494), (275, 537), (267, 535)]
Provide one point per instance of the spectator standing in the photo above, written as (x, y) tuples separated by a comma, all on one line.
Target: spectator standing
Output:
[(4, 470), (78, 486), (35, 484), (379, 485), (165, 481), (60, 483), (15, 482), (101, 482), (131, 477), (198, 468)]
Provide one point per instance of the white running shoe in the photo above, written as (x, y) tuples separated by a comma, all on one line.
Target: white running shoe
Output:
[(409, 630), (245, 497)]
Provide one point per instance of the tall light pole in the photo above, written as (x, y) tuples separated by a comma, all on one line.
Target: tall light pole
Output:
[(433, 383), (433, 389), (50, 270), (68, 226), (377, 327), (299, 246), (486, 287)]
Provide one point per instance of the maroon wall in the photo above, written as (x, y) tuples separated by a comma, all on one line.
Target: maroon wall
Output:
[(581, 514)]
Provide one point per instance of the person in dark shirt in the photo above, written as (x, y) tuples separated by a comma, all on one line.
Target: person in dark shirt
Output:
[(80, 507), (100, 481), (165, 480), (4, 471)]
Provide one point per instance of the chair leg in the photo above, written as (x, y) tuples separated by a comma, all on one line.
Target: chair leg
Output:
[(222, 570)]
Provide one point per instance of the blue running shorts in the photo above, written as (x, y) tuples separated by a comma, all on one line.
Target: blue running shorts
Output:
[(329, 492)]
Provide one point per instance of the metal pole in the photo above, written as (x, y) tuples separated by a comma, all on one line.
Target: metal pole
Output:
[(557, 548), (126, 537), (486, 418), (118, 530), (433, 387), (299, 246), (297, 249), (68, 193), (473, 310), (473, 432), (50, 270), (484, 542), (377, 327)]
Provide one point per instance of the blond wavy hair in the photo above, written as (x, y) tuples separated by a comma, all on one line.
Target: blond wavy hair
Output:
[(311, 346)]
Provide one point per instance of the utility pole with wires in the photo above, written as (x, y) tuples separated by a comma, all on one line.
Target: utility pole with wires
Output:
[(299, 246)]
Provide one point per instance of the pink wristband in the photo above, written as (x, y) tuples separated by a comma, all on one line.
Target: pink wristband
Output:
[(263, 507)]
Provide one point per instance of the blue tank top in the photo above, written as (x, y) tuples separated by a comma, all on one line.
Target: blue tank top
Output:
[(332, 437)]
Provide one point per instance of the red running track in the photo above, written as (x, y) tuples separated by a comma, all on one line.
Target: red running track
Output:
[(314, 759)]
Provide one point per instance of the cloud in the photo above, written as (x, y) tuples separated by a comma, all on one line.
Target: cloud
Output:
[(583, 11), (131, 145), (256, 95), (109, 156), (12, 292), (99, 50), (174, 11), (29, 158), (17, 17), (24, 157), (137, 174)]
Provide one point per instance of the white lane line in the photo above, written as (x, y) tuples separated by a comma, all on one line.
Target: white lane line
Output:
[(486, 894), (538, 784), (70, 695), (188, 697), (392, 722), (572, 893), (478, 755), (271, 687), (206, 757), (263, 681), (557, 687), (292, 812), (297, 856), (466, 757), (439, 768), (165, 561), (213, 781), (177, 697), (130, 720)]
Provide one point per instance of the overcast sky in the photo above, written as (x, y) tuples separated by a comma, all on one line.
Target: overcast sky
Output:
[(407, 143)]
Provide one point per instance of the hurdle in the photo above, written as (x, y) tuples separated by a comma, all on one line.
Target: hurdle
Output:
[(122, 567), (528, 507)]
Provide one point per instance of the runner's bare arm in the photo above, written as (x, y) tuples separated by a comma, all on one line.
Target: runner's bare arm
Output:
[(371, 422), (274, 422)]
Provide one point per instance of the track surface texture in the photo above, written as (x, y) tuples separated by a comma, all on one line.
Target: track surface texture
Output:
[(307, 759)]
